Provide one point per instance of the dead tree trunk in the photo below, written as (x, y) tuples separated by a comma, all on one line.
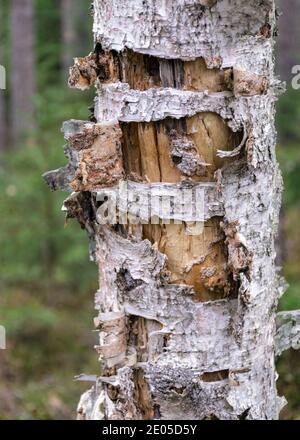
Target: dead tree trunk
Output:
[(186, 93)]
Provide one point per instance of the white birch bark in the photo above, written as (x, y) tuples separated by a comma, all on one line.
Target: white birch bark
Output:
[(198, 359)]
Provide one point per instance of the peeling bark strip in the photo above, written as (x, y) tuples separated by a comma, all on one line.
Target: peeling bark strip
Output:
[(185, 98)]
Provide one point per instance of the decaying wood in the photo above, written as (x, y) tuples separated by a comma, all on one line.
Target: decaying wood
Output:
[(185, 98), (95, 157)]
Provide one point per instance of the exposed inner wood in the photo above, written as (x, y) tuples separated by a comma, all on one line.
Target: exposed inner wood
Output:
[(142, 72), (139, 338), (99, 157), (152, 152), (172, 151), (149, 147), (214, 376), (143, 396), (176, 150), (199, 261)]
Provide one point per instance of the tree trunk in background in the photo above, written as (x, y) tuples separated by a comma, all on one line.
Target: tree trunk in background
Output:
[(3, 122), (69, 14), (289, 38), (22, 68), (3, 110), (288, 51), (186, 317)]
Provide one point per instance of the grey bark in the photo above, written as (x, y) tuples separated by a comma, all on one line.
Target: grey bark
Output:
[(198, 360), (23, 69)]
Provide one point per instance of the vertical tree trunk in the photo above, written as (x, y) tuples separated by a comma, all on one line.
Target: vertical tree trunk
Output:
[(288, 50), (289, 37), (69, 35), (3, 138), (22, 68), (3, 112), (186, 94), (3, 123)]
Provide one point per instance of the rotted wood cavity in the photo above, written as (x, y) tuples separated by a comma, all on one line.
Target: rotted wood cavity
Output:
[(100, 64), (173, 151), (143, 72), (140, 329), (214, 376), (99, 158), (176, 150), (208, 3)]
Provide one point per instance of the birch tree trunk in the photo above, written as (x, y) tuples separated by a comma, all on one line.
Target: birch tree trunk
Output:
[(185, 100)]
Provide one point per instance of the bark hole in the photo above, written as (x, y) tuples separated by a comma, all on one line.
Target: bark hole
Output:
[(143, 71), (143, 396), (174, 151), (214, 376)]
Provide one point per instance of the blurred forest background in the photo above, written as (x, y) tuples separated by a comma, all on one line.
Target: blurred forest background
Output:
[(47, 282)]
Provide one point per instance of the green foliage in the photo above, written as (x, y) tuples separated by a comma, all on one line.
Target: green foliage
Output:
[(36, 369), (48, 47), (35, 245), (289, 157), (47, 281), (288, 120)]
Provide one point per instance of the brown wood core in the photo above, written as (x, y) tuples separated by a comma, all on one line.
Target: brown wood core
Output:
[(175, 150), (142, 72), (153, 152), (158, 151)]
